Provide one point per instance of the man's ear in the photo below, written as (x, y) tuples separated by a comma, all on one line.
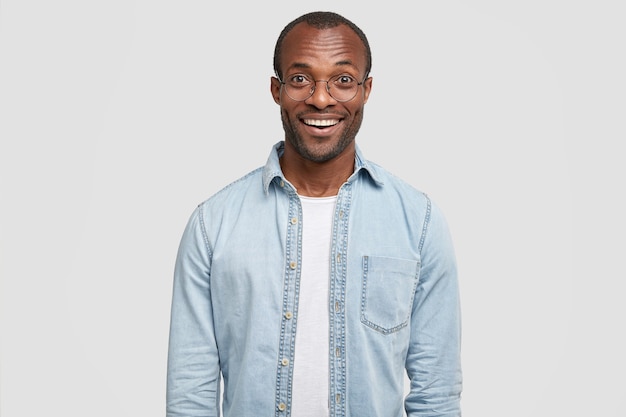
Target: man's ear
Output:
[(275, 89), (367, 89)]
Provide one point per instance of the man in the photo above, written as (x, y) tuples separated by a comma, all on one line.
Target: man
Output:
[(311, 284)]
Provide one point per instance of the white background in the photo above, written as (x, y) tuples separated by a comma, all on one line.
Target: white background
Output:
[(118, 117)]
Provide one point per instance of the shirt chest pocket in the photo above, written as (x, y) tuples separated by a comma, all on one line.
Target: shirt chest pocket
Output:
[(387, 292)]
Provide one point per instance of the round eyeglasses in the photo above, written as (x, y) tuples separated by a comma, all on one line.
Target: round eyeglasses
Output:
[(341, 87)]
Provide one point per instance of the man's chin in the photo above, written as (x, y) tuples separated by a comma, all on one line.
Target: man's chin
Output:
[(320, 153)]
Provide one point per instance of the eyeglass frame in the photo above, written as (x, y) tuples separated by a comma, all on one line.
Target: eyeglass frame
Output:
[(314, 86)]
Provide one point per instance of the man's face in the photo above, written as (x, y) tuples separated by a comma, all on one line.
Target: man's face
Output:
[(320, 128)]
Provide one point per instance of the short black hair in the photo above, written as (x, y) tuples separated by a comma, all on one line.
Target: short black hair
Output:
[(321, 20)]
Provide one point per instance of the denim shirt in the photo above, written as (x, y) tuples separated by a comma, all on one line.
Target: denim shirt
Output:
[(393, 301)]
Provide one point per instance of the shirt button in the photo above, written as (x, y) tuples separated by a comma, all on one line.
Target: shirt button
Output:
[(337, 307), (338, 398), (285, 361), (288, 315), (282, 407), (341, 213), (337, 352), (338, 258), (282, 184), (294, 220), (292, 265)]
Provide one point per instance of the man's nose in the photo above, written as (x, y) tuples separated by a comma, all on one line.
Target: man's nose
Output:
[(321, 98)]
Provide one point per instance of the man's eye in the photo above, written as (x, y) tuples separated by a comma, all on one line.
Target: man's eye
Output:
[(345, 79), (298, 80)]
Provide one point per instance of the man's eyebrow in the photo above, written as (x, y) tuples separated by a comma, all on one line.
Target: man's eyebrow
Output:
[(300, 65), (344, 62), (337, 64)]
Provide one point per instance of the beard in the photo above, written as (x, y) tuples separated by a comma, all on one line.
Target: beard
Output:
[(326, 149)]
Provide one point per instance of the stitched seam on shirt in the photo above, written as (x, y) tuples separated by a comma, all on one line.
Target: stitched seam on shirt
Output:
[(204, 233), (426, 223)]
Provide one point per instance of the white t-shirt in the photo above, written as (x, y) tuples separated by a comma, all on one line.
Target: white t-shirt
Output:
[(310, 372)]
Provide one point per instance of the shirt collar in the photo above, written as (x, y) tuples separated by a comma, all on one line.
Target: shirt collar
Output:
[(272, 167)]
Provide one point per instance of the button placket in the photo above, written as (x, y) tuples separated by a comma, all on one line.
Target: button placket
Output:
[(337, 288), (290, 307)]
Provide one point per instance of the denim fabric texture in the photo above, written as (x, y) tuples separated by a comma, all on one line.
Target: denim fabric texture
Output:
[(393, 301)]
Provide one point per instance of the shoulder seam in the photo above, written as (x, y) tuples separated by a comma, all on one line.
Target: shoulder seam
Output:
[(205, 237), (426, 223)]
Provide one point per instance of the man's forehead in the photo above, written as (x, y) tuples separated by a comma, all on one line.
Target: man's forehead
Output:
[(304, 30), (305, 39)]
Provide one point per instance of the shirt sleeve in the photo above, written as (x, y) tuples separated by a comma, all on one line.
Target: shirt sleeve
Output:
[(193, 373), (433, 360)]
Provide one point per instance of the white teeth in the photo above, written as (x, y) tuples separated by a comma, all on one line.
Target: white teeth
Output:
[(320, 123)]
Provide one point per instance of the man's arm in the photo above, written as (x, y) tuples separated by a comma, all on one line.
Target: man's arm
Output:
[(193, 366), (433, 360)]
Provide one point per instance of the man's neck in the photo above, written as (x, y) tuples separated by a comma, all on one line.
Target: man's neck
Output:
[(317, 179)]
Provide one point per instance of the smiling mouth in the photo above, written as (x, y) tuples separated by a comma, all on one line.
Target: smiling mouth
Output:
[(320, 124)]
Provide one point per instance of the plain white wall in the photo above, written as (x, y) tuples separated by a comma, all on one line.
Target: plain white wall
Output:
[(118, 117)]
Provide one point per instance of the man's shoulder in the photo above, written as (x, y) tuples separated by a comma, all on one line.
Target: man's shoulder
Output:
[(391, 181), (237, 189)]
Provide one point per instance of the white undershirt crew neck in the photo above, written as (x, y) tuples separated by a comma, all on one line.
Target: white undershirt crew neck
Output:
[(310, 373)]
